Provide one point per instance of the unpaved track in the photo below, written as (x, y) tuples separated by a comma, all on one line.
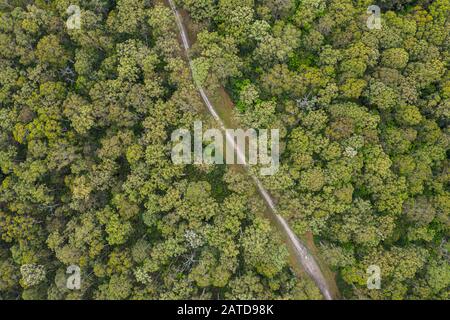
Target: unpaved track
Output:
[(304, 257)]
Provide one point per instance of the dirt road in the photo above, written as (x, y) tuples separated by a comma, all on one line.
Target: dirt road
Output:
[(303, 256)]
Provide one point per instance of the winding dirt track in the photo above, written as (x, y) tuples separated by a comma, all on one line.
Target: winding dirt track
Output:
[(303, 256)]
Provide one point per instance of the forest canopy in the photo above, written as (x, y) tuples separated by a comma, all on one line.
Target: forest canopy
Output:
[(86, 177)]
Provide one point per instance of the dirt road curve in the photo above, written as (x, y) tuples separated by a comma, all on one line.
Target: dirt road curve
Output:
[(303, 256)]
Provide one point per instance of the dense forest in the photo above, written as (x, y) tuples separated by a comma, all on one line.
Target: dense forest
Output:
[(86, 176)]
